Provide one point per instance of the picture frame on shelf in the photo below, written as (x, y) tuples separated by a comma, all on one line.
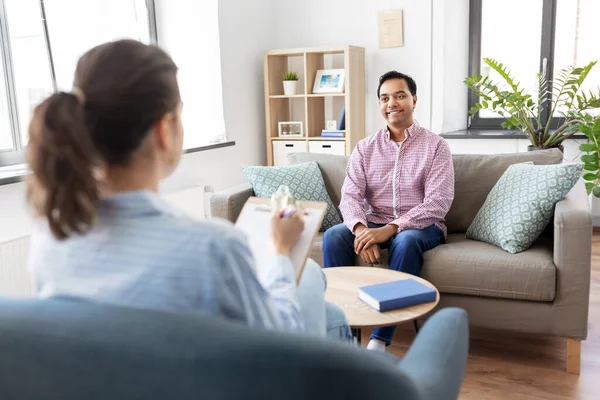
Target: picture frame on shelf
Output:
[(291, 129), (329, 81)]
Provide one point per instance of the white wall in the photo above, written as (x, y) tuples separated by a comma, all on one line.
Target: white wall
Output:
[(435, 49), (311, 23)]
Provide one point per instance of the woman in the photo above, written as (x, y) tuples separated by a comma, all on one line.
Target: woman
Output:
[(97, 156)]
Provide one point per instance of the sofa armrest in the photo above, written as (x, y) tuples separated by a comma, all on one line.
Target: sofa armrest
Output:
[(227, 204), (437, 359), (573, 260)]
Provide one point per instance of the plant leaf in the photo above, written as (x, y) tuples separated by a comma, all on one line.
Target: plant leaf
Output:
[(596, 191), (587, 147), (589, 187), (590, 158), (586, 130), (590, 176), (591, 167)]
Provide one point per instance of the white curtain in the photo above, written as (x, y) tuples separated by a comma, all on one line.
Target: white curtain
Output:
[(189, 31)]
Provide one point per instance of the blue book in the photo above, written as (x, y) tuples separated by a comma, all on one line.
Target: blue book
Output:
[(397, 294), (332, 134), (341, 125)]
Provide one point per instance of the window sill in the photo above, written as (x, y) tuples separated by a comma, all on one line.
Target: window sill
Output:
[(492, 134), (15, 173), (227, 143)]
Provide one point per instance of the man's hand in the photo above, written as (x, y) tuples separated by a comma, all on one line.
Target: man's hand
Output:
[(367, 237), (371, 255)]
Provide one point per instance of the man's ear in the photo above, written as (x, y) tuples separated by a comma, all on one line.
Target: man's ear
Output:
[(414, 101)]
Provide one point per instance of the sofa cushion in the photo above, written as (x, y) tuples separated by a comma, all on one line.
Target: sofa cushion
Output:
[(463, 266), (333, 169), (304, 180), (469, 267), (521, 203), (476, 175)]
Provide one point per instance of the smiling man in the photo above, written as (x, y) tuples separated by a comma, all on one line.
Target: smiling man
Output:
[(404, 173)]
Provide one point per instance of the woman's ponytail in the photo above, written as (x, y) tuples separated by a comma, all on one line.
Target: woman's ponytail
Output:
[(63, 186)]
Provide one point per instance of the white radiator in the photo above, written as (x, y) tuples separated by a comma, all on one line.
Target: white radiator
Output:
[(14, 278)]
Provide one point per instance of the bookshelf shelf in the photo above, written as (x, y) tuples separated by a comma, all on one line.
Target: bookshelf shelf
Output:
[(328, 139), (300, 139), (314, 109), (326, 95), (282, 96)]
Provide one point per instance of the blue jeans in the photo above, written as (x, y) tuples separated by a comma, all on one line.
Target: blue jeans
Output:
[(320, 318), (405, 254)]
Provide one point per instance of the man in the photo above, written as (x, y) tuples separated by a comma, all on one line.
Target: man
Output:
[(404, 173)]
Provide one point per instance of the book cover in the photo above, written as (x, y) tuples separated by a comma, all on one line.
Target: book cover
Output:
[(332, 133), (341, 125), (397, 294)]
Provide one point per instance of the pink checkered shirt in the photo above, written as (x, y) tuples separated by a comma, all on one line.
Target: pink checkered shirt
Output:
[(411, 186)]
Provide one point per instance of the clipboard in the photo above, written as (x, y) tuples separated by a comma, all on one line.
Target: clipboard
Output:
[(255, 222)]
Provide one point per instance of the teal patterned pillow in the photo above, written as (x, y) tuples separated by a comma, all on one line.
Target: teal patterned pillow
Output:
[(304, 180), (521, 204)]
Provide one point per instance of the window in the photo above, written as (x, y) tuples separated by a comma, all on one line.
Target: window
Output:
[(574, 44), (529, 37), (41, 41)]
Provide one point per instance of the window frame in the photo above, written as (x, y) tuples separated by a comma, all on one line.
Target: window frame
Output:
[(547, 52), (16, 155)]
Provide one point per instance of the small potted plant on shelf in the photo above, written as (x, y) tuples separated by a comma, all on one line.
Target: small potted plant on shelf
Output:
[(523, 111), (290, 83)]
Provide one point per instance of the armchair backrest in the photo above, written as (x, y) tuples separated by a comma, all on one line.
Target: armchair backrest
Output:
[(63, 349)]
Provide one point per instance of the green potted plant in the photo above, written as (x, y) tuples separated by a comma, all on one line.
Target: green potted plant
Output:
[(590, 127), (523, 111), (290, 83)]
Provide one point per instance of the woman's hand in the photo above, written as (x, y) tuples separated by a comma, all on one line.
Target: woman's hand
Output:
[(286, 231)]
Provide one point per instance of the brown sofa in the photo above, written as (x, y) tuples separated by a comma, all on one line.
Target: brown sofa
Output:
[(544, 290)]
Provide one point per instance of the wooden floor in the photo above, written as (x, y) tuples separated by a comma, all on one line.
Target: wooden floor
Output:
[(512, 366)]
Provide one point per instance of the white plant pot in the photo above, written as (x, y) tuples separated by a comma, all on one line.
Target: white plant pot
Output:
[(289, 87)]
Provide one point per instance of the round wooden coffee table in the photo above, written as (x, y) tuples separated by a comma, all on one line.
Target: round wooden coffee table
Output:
[(342, 290)]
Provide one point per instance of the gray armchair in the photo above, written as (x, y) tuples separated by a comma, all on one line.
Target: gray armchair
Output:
[(64, 349)]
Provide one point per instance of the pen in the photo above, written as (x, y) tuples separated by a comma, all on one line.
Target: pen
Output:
[(287, 212)]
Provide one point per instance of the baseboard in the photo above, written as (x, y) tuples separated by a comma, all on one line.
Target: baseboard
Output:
[(596, 223)]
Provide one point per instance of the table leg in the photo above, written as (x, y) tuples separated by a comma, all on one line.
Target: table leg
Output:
[(357, 335)]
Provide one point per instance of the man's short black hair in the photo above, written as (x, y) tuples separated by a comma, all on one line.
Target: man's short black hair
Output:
[(412, 85)]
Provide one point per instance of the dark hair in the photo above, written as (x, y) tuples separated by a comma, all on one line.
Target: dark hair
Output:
[(412, 85), (121, 89)]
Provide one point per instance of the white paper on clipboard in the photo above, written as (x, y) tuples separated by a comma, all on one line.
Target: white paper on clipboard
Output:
[(255, 222)]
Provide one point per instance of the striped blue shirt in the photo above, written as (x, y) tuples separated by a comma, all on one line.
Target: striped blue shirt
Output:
[(143, 253)]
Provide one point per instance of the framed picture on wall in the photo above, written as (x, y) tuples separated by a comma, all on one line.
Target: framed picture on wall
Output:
[(329, 81), (290, 129)]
